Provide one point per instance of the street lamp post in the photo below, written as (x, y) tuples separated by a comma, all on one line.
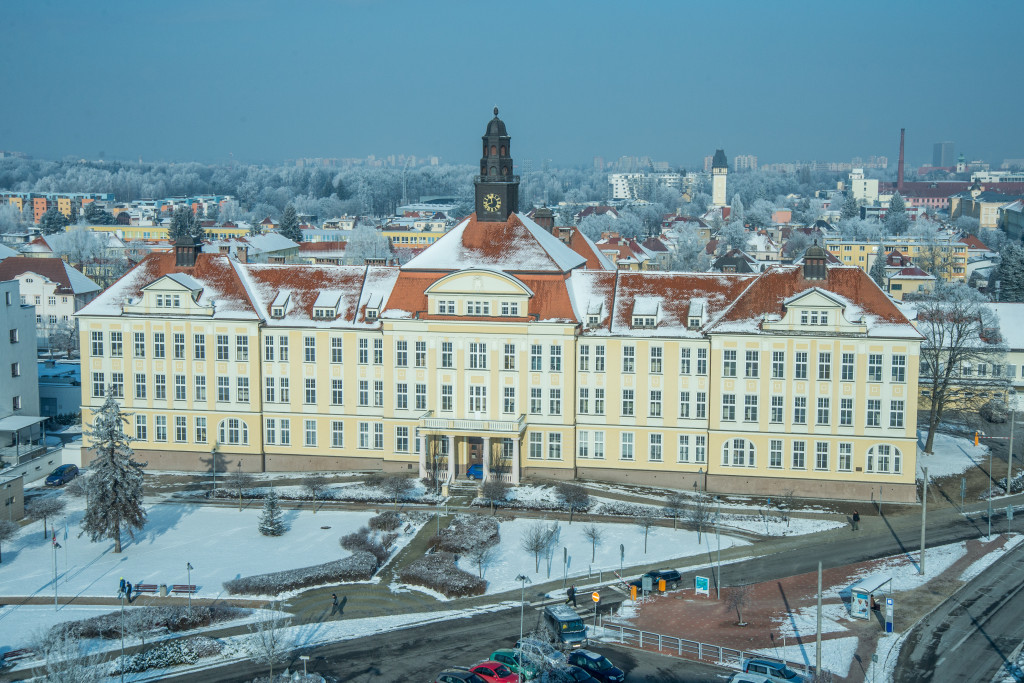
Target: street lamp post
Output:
[(188, 568), (213, 456), (524, 579), (122, 637), (991, 485), (55, 546), (718, 535), (304, 658), (1009, 454)]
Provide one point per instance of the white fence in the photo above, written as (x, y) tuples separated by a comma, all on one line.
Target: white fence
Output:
[(691, 649)]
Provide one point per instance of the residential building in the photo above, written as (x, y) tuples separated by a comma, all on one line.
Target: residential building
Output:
[(498, 346), (952, 252), (54, 288), (744, 162), (942, 155), (21, 432), (982, 204)]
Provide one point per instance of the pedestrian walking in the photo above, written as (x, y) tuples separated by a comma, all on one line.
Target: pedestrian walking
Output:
[(334, 603), (128, 590), (120, 588), (856, 520), (571, 595)]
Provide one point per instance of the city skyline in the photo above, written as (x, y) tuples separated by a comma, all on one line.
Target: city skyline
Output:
[(252, 82)]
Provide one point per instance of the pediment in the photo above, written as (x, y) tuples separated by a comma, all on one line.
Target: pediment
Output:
[(479, 281)]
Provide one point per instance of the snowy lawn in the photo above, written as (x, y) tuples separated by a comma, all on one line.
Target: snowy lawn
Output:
[(836, 654), (24, 625), (663, 545), (220, 543), (952, 455), (990, 557)]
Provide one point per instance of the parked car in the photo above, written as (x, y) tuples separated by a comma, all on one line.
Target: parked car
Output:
[(567, 674), (776, 671), (543, 649), (494, 672), (62, 475), (518, 663), (597, 665), (749, 678), (671, 576), (457, 676), (475, 472)]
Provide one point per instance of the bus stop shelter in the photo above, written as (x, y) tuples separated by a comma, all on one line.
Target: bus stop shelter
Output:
[(868, 594)]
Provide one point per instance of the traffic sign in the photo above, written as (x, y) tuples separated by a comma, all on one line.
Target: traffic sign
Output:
[(595, 596)]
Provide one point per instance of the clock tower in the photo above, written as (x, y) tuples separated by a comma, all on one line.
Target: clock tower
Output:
[(497, 190)]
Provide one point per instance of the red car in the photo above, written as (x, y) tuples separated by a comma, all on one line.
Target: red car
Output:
[(494, 672)]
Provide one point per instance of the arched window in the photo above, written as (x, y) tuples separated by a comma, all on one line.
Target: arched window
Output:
[(738, 453), (234, 431), (485, 149), (483, 171), (504, 170), (494, 171), (503, 150), (884, 459), (494, 150)]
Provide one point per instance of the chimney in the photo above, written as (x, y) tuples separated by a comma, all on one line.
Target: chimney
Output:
[(815, 259), (186, 251), (545, 218), (899, 168)]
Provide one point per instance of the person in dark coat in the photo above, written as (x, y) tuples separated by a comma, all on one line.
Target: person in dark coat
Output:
[(334, 603), (128, 590), (856, 520), (120, 588), (571, 595)]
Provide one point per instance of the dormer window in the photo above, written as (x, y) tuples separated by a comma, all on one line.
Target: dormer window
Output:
[(371, 314), (446, 308), (813, 317), (277, 312), (693, 322), (644, 321), (593, 321), (510, 308), (322, 313), (478, 308)]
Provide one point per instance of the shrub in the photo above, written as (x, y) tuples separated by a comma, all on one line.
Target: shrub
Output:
[(359, 566), (466, 532), (364, 540), (438, 571), (173, 618), (994, 410), (386, 521), (374, 479), (166, 655)]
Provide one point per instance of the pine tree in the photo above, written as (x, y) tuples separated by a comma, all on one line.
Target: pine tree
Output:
[(53, 221), (1009, 274), (896, 220), (736, 212), (270, 518), (290, 225), (850, 208), (115, 486), (878, 267), (185, 223)]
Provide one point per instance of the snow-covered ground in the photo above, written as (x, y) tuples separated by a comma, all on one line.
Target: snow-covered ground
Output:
[(220, 543), (22, 626), (951, 455), (663, 545), (987, 560), (836, 653)]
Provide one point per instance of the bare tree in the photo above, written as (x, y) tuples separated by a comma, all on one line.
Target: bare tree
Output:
[(645, 520), (240, 482), (960, 333), (315, 484), (396, 486), (698, 513), (44, 507), (535, 541), (482, 556), (675, 506), (739, 597), (595, 535), (785, 502), (573, 496), (65, 660), (268, 643), (63, 338), (8, 530), (551, 534), (139, 622), (495, 491)]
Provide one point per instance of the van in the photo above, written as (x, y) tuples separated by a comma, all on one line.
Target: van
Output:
[(567, 626)]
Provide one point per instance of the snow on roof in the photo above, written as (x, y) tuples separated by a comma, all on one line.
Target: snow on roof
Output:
[(327, 299), (281, 299), (646, 305), (6, 251), (585, 247), (516, 245), (186, 281), (303, 285)]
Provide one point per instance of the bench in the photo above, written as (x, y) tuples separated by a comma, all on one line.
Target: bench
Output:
[(16, 656), (145, 588), (183, 588)]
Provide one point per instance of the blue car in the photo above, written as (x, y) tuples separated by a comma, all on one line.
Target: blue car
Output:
[(475, 472), (62, 475)]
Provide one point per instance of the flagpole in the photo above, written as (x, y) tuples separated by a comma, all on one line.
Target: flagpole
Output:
[(55, 546)]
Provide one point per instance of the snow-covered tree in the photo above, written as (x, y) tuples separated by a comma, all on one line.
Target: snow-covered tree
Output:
[(271, 523), (896, 220), (366, 242), (185, 223), (115, 482), (10, 219), (572, 496), (760, 213), (1009, 274), (290, 225), (67, 660), (967, 224), (494, 491), (849, 208), (675, 505), (699, 513), (689, 252), (269, 642), (94, 215), (8, 530), (737, 213), (877, 271), (44, 508), (315, 484), (733, 236), (63, 337), (78, 246), (53, 221), (860, 230)]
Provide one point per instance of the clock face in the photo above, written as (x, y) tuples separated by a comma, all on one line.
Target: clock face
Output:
[(492, 202)]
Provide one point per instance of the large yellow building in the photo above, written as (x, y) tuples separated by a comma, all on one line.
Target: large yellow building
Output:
[(496, 346), (950, 254)]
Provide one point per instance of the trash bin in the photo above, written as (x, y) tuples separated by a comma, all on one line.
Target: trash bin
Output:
[(163, 590), (661, 585)]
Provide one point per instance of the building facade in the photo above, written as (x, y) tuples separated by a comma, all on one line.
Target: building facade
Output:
[(497, 346)]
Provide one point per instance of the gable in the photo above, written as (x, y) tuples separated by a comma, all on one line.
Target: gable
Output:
[(479, 282)]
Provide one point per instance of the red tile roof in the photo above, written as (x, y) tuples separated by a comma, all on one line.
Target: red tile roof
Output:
[(973, 242), (50, 267)]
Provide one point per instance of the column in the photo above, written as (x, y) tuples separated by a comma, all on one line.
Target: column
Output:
[(423, 442), (515, 459), (485, 457), (451, 458)]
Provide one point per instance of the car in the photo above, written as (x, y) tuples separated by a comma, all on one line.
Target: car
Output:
[(62, 475), (671, 576), (568, 674), (749, 678), (494, 672), (458, 675), (775, 671), (597, 665), (518, 662), (541, 649), (475, 472)]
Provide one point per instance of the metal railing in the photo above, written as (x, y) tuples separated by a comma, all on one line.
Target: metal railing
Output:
[(443, 423), (690, 649)]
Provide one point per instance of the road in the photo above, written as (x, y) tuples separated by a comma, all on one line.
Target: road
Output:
[(970, 636), (419, 653)]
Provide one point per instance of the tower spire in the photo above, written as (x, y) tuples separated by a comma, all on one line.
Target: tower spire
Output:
[(497, 189)]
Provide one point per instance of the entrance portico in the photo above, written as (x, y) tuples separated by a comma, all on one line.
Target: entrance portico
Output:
[(457, 444)]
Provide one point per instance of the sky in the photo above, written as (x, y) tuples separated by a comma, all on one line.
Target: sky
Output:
[(262, 81)]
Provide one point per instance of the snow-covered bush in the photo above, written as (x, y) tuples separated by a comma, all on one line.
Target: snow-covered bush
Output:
[(174, 618), (994, 410), (386, 521), (359, 566), (271, 523), (623, 509), (466, 532), (438, 571), (165, 655), (364, 540)]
